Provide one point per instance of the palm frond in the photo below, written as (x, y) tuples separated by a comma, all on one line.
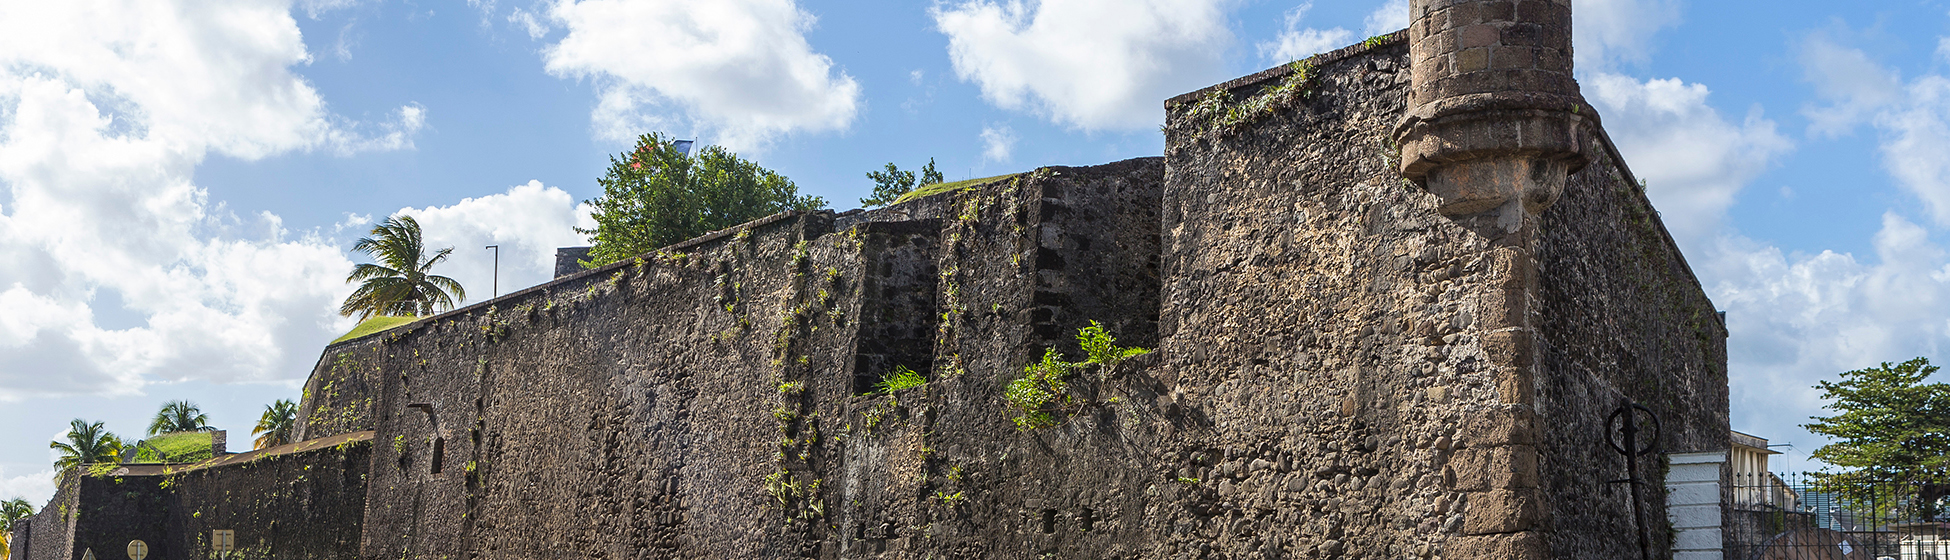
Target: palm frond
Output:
[(400, 283)]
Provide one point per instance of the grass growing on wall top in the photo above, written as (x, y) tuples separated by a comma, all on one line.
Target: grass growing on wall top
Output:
[(373, 325), (179, 447), (938, 188)]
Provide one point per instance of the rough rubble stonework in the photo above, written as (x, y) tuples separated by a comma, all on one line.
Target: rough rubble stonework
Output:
[(1348, 363)]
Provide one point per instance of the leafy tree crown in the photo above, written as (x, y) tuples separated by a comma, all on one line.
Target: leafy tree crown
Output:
[(1891, 429), (656, 195), (890, 184)]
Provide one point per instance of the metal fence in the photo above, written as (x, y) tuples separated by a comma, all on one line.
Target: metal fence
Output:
[(1798, 517)]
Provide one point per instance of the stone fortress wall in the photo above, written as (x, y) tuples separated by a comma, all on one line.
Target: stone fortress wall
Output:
[(302, 501), (1390, 312)]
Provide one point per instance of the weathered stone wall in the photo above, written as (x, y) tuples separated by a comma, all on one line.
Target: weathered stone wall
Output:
[(707, 401), (50, 533), (1329, 317), (338, 398), (1317, 311), (1624, 319), (304, 503), (941, 470), (628, 408), (301, 501), (1342, 370)]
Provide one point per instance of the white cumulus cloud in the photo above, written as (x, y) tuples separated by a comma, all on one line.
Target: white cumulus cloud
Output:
[(1693, 160), (998, 143), (740, 70), (115, 267), (1608, 32), (36, 487), (528, 222), (1298, 41), (1794, 319), (1911, 117), (1089, 64), (1392, 16)]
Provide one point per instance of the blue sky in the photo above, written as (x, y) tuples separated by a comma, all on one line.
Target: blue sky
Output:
[(179, 180)]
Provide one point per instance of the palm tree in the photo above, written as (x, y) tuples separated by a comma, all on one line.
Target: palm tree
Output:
[(274, 427), (10, 511), (87, 443), (399, 283), (179, 416)]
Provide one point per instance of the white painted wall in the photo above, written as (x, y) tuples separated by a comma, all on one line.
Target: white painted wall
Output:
[(1693, 504)]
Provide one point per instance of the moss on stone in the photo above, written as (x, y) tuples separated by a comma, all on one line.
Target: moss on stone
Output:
[(938, 188), (374, 325), (179, 447)]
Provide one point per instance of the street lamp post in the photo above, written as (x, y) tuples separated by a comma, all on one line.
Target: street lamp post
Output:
[(497, 269)]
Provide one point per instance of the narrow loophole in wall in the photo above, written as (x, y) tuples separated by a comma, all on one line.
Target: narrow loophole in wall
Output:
[(1049, 521), (1087, 519), (439, 453)]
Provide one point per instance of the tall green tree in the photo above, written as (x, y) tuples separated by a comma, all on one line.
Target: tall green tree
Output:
[(890, 184), (656, 195), (275, 426), (1891, 434), (87, 443), (179, 416), (401, 282), (11, 511)]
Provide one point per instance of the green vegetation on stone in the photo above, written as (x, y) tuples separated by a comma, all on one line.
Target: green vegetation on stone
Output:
[(656, 195), (1217, 112), (375, 324), (1043, 390), (900, 378), (401, 283), (938, 188), (180, 447)]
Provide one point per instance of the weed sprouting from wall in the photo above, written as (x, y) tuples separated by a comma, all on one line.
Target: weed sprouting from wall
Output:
[(1217, 113), (1041, 393), (900, 378), (1041, 396)]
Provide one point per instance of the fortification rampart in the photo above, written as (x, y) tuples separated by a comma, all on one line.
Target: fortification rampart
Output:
[(1348, 364), (302, 501)]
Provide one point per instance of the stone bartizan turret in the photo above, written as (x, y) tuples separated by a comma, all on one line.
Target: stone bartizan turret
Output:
[(1494, 126), (1495, 118)]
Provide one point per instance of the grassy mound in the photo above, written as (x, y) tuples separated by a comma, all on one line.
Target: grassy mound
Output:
[(373, 325), (179, 447), (938, 188)]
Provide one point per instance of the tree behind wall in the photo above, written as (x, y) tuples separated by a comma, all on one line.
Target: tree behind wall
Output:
[(1891, 434), (402, 282), (11, 511), (890, 184), (87, 443), (656, 195), (275, 426), (179, 416)]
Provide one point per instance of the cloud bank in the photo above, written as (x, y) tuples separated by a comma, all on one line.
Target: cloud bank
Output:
[(1087, 64), (739, 70)]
